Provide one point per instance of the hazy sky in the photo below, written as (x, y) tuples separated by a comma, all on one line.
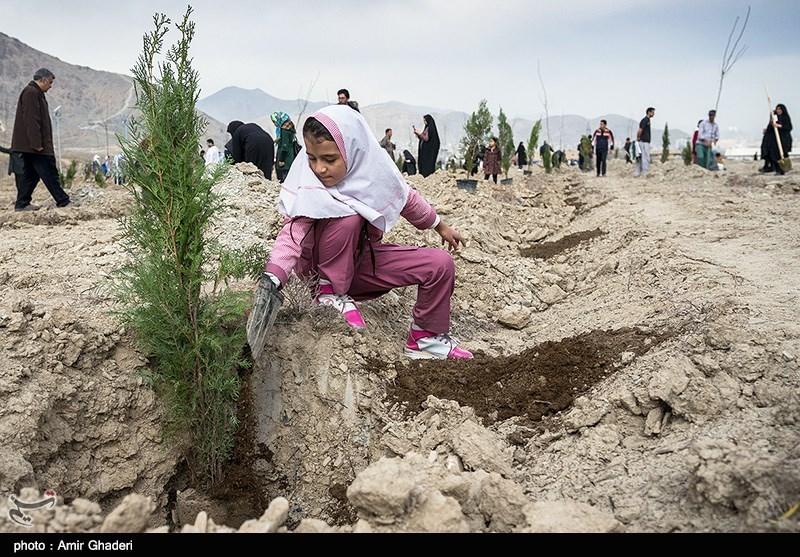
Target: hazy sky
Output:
[(597, 57)]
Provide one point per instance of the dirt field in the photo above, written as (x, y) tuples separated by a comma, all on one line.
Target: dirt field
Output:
[(637, 347)]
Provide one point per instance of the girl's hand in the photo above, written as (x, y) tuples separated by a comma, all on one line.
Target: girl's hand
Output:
[(450, 236)]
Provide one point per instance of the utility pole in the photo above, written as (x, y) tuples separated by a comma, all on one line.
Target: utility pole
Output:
[(57, 116), (105, 127)]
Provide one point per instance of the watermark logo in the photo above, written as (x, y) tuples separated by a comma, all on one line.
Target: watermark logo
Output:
[(18, 510)]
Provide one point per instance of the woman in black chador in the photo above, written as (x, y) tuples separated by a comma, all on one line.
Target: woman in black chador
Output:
[(769, 144), (409, 164), (428, 147)]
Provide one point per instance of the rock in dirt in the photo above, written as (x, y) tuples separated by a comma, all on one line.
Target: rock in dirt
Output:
[(272, 519), (670, 380), (313, 526), (500, 502), (567, 516), (552, 294), (248, 168), (585, 415), (514, 316), (383, 489), (655, 417), (436, 513), (480, 448), (15, 471), (131, 516), (625, 398), (537, 235)]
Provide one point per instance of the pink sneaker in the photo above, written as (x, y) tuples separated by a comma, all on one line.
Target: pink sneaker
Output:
[(345, 304), (425, 345)]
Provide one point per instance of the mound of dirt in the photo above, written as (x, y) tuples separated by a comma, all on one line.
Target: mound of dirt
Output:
[(547, 250), (541, 380), (645, 380)]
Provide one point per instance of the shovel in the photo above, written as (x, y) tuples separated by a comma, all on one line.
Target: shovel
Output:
[(268, 300), (785, 162)]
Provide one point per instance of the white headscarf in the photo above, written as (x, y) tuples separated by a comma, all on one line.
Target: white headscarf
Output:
[(373, 186)]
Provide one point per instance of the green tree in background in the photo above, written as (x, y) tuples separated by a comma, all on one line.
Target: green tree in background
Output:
[(533, 140), (476, 133), (686, 153), (506, 137)]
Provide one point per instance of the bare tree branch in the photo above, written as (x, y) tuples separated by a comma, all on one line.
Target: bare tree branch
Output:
[(732, 52), (303, 104), (728, 44), (544, 102), (741, 33), (739, 55)]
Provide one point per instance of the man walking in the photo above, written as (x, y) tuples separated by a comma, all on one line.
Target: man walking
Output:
[(707, 137), (212, 155), (33, 138), (643, 139), (387, 144), (602, 140)]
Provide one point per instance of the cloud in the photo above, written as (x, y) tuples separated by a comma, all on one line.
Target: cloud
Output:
[(597, 57)]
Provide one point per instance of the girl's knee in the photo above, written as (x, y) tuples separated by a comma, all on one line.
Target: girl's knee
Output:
[(441, 262)]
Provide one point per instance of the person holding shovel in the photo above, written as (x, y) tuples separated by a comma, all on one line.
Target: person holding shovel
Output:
[(341, 195), (779, 128)]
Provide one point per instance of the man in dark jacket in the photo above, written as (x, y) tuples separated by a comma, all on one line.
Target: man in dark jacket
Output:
[(603, 142), (33, 138), (250, 143)]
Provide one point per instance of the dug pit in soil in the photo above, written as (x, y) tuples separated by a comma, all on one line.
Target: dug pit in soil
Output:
[(551, 249), (535, 383), (240, 495)]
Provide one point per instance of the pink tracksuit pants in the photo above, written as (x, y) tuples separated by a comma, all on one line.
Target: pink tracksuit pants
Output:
[(335, 256)]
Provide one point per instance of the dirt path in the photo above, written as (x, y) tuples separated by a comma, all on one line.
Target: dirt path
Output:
[(749, 235), (646, 366)]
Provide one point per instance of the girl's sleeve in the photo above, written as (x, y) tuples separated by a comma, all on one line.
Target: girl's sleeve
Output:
[(288, 247), (419, 212)]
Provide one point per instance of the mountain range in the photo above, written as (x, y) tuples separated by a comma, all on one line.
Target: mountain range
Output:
[(254, 105), (95, 105)]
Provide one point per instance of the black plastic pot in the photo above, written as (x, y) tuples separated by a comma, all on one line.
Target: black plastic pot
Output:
[(527, 172), (467, 185)]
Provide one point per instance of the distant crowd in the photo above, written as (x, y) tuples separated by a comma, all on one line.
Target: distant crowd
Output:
[(32, 153), (251, 143)]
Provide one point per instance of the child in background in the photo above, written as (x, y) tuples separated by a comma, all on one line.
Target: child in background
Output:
[(286, 144), (491, 160)]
